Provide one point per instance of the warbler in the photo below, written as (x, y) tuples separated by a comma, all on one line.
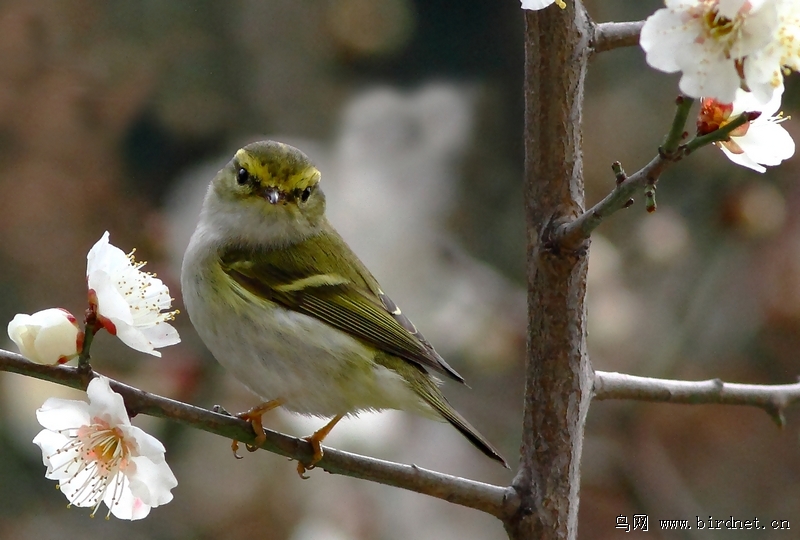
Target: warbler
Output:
[(283, 303)]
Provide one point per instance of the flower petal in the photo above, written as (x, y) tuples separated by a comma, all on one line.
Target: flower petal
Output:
[(161, 334), (110, 303), (134, 338), (126, 505), (536, 4), (767, 143), (60, 463), (662, 32), (105, 257), (714, 78), (146, 445), (744, 160), (106, 404), (153, 481), (58, 414)]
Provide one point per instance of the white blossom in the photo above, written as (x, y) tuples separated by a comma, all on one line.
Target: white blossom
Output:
[(757, 143), (49, 336), (98, 456), (536, 5), (129, 302), (718, 45), (764, 69)]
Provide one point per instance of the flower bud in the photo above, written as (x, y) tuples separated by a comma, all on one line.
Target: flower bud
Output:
[(47, 337)]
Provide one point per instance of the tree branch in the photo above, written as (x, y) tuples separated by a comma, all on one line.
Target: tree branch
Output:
[(774, 399), (498, 501), (613, 35), (581, 228), (573, 233), (558, 376), (495, 500)]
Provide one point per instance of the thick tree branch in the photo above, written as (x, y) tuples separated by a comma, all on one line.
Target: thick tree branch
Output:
[(774, 399), (495, 500), (558, 379), (613, 35)]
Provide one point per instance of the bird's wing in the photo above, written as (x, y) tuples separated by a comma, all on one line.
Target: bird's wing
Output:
[(314, 278)]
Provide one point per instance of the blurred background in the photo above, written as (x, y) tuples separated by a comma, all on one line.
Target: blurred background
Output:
[(115, 116)]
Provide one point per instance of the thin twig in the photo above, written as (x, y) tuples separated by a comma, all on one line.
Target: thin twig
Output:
[(496, 500), (573, 233), (721, 134), (774, 399), (676, 134), (613, 35)]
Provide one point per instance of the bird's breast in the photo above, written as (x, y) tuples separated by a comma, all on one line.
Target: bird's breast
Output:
[(279, 353)]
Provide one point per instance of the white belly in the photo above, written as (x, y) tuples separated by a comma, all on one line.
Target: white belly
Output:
[(280, 354)]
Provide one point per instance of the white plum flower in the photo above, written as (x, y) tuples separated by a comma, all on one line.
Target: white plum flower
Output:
[(536, 5), (129, 302), (50, 336), (759, 142), (714, 43), (98, 456), (764, 69)]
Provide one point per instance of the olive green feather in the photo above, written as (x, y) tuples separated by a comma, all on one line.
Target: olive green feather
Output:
[(320, 278), (426, 388)]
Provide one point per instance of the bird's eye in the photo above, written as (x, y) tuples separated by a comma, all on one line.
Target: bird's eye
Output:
[(242, 176), (306, 194)]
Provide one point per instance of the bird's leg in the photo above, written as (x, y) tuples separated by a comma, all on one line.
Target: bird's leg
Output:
[(315, 441), (254, 417)]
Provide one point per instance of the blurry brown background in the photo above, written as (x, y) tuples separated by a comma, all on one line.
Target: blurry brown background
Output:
[(115, 115)]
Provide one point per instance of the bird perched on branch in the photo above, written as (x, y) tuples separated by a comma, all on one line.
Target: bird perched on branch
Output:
[(285, 305)]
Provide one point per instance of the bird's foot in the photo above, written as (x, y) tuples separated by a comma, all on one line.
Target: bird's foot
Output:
[(254, 417), (315, 441)]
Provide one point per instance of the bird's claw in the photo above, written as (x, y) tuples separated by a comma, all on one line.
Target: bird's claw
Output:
[(315, 441), (254, 417), (235, 448)]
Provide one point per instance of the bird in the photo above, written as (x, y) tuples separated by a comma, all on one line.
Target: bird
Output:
[(285, 305)]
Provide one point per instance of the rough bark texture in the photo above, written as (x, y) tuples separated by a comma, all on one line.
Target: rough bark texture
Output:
[(558, 373)]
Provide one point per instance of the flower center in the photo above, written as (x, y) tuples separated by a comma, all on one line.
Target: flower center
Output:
[(101, 456), (103, 445), (717, 26)]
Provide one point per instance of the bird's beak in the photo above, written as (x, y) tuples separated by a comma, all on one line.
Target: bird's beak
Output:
[(272, 194)]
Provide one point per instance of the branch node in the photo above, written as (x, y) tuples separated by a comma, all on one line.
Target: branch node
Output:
[(776, 413), (650, 198), (619, 172)]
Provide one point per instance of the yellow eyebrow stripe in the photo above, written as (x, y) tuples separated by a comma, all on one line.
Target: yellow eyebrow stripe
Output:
[(282, 177)]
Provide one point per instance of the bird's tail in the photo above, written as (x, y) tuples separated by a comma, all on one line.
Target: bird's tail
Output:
[(433, 397)]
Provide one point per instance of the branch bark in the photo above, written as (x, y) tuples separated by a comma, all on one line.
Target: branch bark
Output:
[(613, 35), (774, 399), (502, 502), (558, 374), (495, 500)]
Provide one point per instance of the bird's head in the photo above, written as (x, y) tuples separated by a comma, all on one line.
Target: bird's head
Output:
[(272, 189)]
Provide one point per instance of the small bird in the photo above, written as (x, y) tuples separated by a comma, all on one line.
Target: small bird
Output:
[(283, 303)]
